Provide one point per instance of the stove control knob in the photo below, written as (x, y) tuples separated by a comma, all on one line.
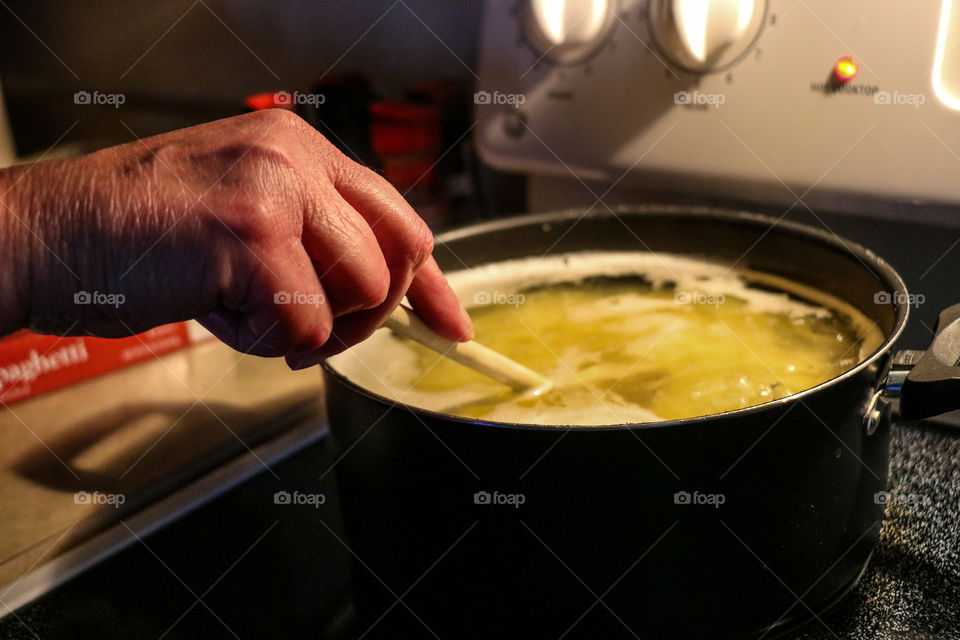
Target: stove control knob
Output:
[(702, 36), (566, 31)]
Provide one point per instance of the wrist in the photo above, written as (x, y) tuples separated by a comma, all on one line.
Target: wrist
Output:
[(14, 279)]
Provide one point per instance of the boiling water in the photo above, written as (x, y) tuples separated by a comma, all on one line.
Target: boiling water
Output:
[(685, 338)]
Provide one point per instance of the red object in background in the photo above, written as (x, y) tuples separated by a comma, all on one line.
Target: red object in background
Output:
[(269, 100), (407, 138), (32, 364)]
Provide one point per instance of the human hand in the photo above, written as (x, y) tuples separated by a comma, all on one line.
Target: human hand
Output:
[(255, 225)]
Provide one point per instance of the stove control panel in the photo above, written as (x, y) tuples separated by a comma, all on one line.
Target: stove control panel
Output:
[(703, 36), (566, 31), (843, 98)]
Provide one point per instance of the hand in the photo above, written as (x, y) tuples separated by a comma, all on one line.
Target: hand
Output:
[(255, 225)]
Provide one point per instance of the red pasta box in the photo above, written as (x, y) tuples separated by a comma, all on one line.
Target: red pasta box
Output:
[(32, 364)]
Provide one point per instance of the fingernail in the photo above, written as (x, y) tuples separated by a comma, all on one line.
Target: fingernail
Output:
[(304, 362)]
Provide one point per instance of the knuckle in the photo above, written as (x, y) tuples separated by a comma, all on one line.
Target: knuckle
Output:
[(366, 290), (320, 333), (373, 290), (342, 170), (285, 130), (273, 118), (240, 165), (301, 329), (420, 244), (250, 221), (272, 142), (247, 160), (412, 244)]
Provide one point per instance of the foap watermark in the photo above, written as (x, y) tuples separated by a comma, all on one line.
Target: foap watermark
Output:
[(897, 98), (899, 298), (496, 498), (697, 99), (315, 500), (499, 297), (485, 97), (100, 299), (909, 499), (296, 297), (712, 499), (111, 499), (109, 99), (293, 98), (698, 297)]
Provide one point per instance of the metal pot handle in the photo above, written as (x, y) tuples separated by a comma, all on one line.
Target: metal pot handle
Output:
[(932, 382)]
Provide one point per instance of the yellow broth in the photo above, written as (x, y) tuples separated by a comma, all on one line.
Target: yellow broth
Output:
[(613, 346), (655, 337)]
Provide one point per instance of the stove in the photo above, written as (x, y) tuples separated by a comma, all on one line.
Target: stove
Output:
[(812, 105)]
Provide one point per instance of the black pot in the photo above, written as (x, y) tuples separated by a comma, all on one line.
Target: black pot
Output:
[(735, 524)]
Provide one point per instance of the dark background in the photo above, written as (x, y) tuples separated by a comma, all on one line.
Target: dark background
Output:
[(215, 53)]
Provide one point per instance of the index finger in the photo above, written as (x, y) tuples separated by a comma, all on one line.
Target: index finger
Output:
[(406, 243), (436, 303)]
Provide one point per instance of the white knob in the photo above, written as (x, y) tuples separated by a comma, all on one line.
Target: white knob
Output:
[(706, 35), (566, 31)]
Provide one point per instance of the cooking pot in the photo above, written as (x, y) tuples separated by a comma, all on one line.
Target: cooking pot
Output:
[(739, 524)]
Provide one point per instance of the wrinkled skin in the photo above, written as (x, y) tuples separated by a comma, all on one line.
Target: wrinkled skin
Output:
[(217, 222)]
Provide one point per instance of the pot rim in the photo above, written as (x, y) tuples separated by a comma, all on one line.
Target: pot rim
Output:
[(868, 258)]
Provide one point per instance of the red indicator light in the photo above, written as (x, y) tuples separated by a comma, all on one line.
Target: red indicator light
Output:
[(846, 69)]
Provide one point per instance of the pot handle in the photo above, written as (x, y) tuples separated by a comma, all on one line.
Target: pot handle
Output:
[(932, 386)]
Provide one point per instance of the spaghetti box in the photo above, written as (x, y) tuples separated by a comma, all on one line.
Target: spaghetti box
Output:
[(31, 364)]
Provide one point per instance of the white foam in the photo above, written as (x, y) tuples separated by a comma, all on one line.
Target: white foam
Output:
[(689, 275), (383, 364)]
